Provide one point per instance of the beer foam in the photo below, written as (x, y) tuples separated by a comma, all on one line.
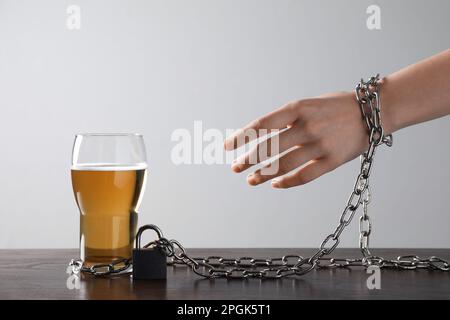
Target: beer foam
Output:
[(108, 167)]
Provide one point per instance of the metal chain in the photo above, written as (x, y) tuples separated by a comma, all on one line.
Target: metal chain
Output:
[(368, 97), (115, 267)]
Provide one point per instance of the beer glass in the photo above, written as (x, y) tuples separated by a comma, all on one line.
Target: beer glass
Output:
[(108, 179)]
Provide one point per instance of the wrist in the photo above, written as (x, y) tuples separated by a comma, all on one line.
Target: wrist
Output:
[(390, 117)]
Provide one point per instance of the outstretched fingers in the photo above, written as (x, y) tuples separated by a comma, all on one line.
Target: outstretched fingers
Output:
[(276, 120), (305, 174), (277, 144), (286, 163)]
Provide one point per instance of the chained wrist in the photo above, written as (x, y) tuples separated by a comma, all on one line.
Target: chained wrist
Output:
[(369, 99)]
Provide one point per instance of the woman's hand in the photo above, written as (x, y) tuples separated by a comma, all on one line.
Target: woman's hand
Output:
[(320, 134)]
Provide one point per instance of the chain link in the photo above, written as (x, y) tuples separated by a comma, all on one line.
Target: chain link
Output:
[(116, 267), (368, 97)]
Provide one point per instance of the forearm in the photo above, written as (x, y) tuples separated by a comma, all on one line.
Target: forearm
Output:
[(417, 93)]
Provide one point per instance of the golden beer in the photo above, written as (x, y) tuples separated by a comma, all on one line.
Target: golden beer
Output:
[(108, 198)]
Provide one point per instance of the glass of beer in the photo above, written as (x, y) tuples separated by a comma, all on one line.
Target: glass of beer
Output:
[(108, 178)]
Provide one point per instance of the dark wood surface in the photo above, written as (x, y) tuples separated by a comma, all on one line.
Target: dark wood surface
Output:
[(41, 274)]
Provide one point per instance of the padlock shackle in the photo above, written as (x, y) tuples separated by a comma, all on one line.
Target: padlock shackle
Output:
[(147, 227)]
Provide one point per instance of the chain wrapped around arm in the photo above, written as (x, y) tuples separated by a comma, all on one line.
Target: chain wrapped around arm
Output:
[(368, 97)]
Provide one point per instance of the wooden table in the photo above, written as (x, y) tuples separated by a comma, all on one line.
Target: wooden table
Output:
[(41, 274)]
